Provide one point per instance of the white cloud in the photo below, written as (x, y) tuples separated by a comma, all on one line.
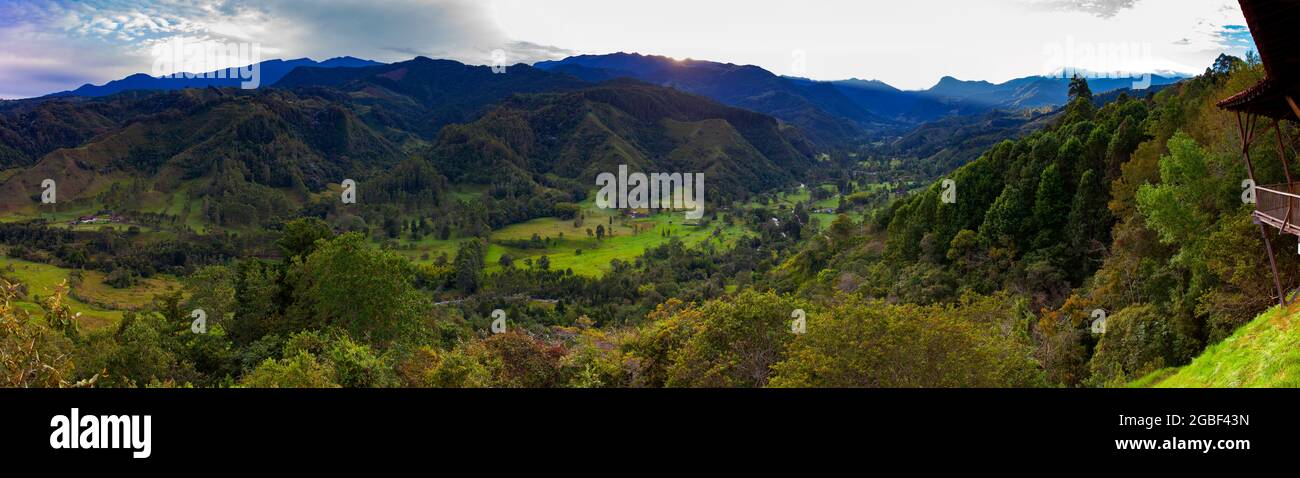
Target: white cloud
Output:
[(910, 44), (52, 46), (101, 40)]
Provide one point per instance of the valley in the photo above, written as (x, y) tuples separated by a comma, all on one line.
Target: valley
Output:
[(476, 199)]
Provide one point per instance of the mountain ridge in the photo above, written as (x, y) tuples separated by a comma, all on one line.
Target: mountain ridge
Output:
[(271, 71)]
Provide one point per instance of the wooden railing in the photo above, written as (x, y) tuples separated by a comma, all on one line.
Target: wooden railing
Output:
[(1277, 207)]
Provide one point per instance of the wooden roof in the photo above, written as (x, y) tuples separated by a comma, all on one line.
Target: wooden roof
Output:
[(1273, 24)]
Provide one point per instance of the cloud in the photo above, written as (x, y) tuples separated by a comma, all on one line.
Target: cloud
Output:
[(57, 45), (1099, 8), (40, 57), (101, 40)]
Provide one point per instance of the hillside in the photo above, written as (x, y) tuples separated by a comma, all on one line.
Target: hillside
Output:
[(422, 95), (235, 158), (250, 155), (579, 134), (1263, 353)]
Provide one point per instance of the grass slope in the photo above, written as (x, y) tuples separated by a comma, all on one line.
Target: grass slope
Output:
[(1263, 353)]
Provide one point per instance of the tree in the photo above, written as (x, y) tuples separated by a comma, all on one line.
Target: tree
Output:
[(1051, 206), (212, 289), (392, 227), (1004, 223), (356, 365), (1122, 143), (144, 354), (258, 306), (347, 283), (301, 370), (1079, 88), (735, 342), (300, 236), (1177, 208), (1089, 223), (469, 265)]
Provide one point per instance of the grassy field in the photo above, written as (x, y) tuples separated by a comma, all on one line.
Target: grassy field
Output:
[(804, 195), (631, 236), (565, 241), (1263, 353), (92, 289), (41, 279)]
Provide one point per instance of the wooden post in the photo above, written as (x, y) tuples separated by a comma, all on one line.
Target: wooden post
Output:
[(1281, 154), (1246, 129), (1286, 169), (1294, 109)]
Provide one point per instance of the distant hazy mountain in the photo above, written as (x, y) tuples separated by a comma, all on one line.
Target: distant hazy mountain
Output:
[(271, 72), (818, 108), (838, 109), (1027, 92)]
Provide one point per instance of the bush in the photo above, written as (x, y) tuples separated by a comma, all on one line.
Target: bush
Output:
[(121, 278), (735, 342), (861, 343), (302, 370), (357, 366), (1140, 340), (458, 368)]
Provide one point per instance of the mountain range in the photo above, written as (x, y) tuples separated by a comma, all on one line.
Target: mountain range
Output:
[(841, 113), (834, 109), (231, 157), (209, 151), (270, 71)]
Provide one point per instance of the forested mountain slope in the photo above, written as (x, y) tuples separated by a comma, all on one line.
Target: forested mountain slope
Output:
[(593, 130), (422, 95), (1133, 209), (238, 158)]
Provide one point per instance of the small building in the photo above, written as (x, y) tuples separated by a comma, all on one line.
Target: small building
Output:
[(1277, 206)]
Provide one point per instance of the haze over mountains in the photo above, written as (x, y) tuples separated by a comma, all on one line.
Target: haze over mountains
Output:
[(829, 112), (830, 108), (271, 71)]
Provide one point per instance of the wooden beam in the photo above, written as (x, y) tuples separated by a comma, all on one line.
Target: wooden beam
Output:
[(1294, 109), (1246, 137), (1272, 263), (1281, 154)]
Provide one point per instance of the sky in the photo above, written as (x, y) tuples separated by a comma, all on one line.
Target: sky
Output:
[(57, 45)]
